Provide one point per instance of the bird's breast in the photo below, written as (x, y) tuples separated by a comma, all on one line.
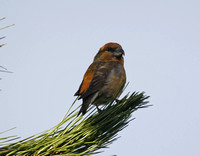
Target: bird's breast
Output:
[(115, 80)]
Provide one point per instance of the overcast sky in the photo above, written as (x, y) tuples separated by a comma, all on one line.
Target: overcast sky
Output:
[(53, 43)]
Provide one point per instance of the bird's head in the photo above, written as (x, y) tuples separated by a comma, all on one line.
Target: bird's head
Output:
[(110, 52)]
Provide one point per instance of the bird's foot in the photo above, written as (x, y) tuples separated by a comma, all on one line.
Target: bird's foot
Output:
[(99, 110)]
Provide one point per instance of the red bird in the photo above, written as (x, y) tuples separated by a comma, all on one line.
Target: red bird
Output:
[(104, 77)]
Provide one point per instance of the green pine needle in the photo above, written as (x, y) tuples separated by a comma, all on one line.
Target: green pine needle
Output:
[(78, 136)]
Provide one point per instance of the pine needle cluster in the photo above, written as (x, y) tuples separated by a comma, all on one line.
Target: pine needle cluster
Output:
[(78, 136)]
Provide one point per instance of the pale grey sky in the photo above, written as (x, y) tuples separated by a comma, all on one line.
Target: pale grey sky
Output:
[(53, 43)]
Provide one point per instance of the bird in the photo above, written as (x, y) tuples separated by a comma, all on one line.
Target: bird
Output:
[(104, 78)]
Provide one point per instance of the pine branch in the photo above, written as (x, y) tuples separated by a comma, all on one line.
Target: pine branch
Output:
[(83, 135), (1, 45), (3, 69)]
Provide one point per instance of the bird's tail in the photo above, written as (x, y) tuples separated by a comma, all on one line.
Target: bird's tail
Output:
[(84, 107)]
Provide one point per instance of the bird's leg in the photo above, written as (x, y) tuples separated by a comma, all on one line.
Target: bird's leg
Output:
[(99, 110), (117, 100)]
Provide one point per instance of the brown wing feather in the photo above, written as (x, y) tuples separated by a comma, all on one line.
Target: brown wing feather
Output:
[(100, 78), (98, 81), (88, 77)]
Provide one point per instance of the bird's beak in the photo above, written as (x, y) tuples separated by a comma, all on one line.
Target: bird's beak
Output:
[(123, 53), (120, 50)]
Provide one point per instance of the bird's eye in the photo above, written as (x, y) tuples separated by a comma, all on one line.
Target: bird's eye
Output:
[(110, 49)]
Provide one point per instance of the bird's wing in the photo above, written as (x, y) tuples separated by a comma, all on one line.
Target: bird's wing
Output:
[(94, 78), (88, 77)]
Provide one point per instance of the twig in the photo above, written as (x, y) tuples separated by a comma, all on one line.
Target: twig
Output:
[(7, 26)]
